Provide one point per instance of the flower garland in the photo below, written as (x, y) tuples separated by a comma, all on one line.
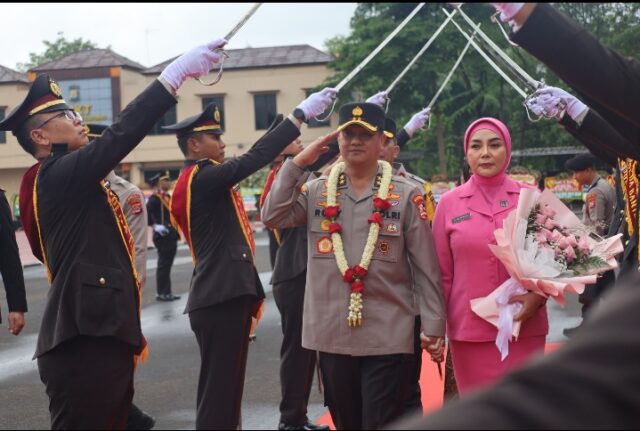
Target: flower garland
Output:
[(356, 274)]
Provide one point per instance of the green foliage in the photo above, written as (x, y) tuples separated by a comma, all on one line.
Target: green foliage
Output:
[(475, 90), (55, 50)]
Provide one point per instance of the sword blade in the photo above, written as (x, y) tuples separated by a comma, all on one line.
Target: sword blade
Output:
[(419, 54), (453, 69), (491, 62), (243, 21), (512, 64), (373, 53)]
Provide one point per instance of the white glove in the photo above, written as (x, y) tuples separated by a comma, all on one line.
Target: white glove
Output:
[(317, 103), (418, 121), (380, 98), (193, 63), (550, 101), (160, 229), (507, 10)]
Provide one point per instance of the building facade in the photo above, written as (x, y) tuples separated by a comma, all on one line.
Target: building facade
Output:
[(257, 83)]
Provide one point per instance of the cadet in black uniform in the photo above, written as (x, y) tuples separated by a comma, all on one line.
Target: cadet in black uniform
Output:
[(11, 269), (90, 329), (165, 234), (225, 287)]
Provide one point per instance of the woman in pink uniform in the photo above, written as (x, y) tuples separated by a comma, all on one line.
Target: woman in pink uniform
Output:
[(463, 227)]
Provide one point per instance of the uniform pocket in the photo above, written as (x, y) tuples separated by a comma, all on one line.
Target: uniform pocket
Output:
[(389, 242), (101, 299), (240, 253)]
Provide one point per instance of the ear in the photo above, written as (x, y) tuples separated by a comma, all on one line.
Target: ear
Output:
[(396, 150), (193, 145), (39, 137)]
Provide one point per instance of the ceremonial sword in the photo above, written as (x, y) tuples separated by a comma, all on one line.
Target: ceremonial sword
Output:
[(223, 53), (418, 55), (373, 53), (524, 77)]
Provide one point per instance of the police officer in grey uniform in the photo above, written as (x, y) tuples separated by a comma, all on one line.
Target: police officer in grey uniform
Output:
[(598, 211), (365, 369)]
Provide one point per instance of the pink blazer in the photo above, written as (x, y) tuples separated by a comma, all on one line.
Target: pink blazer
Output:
[(462, 228)]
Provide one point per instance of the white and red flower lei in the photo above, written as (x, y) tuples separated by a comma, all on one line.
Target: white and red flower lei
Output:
[(356, 274)]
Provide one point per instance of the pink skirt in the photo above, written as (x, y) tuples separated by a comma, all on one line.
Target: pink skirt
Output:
[(477, 364)]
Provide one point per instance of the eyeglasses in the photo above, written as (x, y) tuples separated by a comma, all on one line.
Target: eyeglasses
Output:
[(68, 113)]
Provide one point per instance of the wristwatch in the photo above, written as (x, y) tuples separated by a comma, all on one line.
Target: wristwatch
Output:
[(299, 114)]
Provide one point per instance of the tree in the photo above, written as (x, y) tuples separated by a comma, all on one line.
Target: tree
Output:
[(55, 50), (475, 90)]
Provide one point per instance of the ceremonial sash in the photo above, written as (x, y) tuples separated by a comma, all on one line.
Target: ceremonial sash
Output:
[(29, 215), (265, 192), (180, 208), (166, 202), (180, 205), (630, 189), (129, 245), (429, 202)]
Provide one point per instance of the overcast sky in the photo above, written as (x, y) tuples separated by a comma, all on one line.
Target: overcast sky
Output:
[(152, 33)]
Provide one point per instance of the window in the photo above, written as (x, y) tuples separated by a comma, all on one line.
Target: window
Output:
[(219, 101), (3, 134), (315, 123), (265, 108), (167, 119)]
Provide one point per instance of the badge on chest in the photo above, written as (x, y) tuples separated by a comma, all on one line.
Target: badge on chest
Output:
[(461, 218)]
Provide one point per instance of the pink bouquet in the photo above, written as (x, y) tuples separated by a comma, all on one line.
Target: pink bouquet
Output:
[(546, 250)]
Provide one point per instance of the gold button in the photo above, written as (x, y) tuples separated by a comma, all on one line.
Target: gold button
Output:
[(102, 281)]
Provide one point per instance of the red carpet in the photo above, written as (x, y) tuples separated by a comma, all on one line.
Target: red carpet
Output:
[(431, 385)]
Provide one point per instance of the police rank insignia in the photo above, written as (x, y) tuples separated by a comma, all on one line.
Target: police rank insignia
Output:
[(324, 245), (418, 201), (342, 180), (55, 89), (383, 248), (135, 202)]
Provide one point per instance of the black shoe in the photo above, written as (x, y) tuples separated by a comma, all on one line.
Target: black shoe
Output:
[(173, 297), (306, 426), (164, 298), (139, 420), (568, 332)]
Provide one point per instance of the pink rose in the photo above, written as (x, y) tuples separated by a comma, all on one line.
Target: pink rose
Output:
[(573, 242), (555, 235), (570, 254), (563, 243), (546, 233), (548, 211), (541, 219), (583, 245), (550, 224)]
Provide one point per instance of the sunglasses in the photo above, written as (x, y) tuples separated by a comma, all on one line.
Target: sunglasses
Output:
[(68, 113)]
